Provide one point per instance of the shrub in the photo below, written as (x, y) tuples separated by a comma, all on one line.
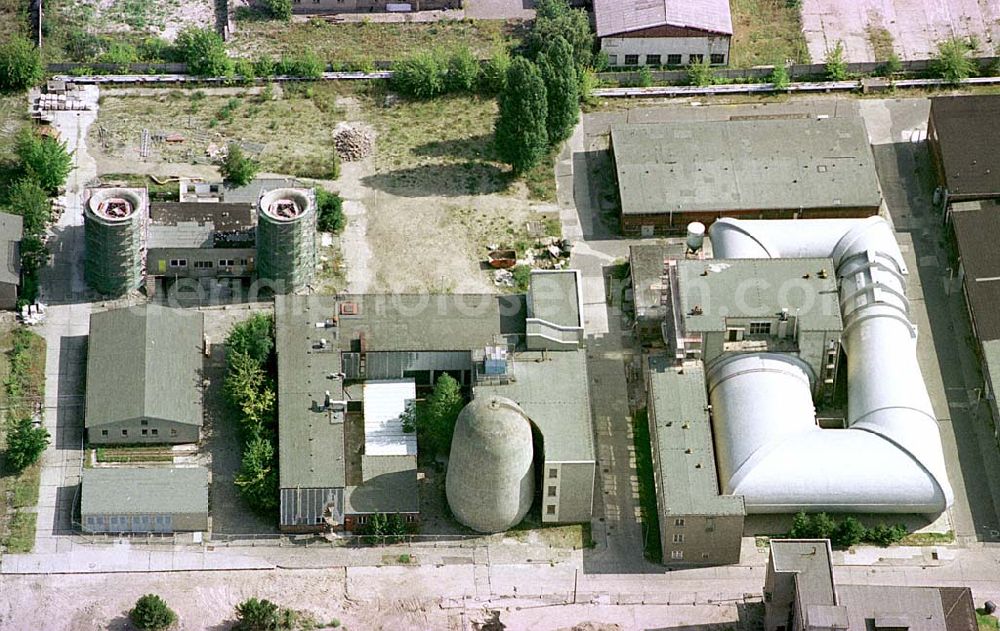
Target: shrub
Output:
[(257, 615), (588, 83), (463, 71), (520, 132), (121, 54), (44, 159), (20, 64), (204, 52), (779, 77), (848, 533), (237, 168), (156, 49), (836, 65), (151, 613), (331, 212), (883, 535), (700, 74), (264, 67), (244, 69), (493, 77), (25, 443), (952, 62), (279, 9), (307, 66), (644, 77), (421, 75)]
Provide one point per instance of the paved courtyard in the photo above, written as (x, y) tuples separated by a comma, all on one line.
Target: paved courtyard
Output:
[(914, 27)]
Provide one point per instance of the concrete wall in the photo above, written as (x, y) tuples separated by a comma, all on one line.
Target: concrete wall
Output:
[(701, 539), (166, 432), (158, 262), (368, 6), (145, 523), (573, 501), (779, 599), (618, 47)]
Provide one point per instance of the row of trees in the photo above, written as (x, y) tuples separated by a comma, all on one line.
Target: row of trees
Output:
[(249, 389), (844, 533), (151, 613), (25, 440)]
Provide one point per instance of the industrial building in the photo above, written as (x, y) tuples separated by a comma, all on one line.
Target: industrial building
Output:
[(333, 350), (979, 269), (371, 6), (11, 233), (144, 500), (266, 231), (664, 32), (144, 376), (767, 325), (671, 174), (801, 594), (964, 140)]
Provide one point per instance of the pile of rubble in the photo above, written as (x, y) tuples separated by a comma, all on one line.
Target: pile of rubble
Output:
[(353, 143)]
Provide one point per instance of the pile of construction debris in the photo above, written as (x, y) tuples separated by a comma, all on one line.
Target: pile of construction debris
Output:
[(353, 143)]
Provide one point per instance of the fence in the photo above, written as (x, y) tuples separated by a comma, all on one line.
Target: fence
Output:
[(276, 540)]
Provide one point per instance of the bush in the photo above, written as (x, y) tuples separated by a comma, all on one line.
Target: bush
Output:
[(952, 62), (156, 49), (700, 74), (421, 75), (20, 64), (151, 613), (836, 65), (307, 66), (331, 211), (384, 528), (279, 9), (848, 533), (493, 77), (463, 71), (779, 77), (644, 77), (244, 69), (883, 535), (264, 67), (25, 443), (257, 615), (44, 159), (204, 52), (237, 168)]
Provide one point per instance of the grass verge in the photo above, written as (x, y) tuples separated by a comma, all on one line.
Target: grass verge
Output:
[(647, 487), (986, 621), (766, 32), (928, 538), (21, 536)]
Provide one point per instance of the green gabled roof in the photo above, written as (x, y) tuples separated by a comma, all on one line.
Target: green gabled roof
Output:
[(144, 362)]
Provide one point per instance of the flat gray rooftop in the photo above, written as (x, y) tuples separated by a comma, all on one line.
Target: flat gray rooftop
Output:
[(646, 267), (553, 391), (809, 560), (758, 164), (554, 297), (715, 289), (683, 442), (138, 490)]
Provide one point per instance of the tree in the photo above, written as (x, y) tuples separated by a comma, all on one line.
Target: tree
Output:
[(204, 52), (883, 535), (836, 65), (520, 135), (20, 64), (28, 199), (952, 62), (561, 89), (25, 442), (257, 615), (555, 18), (253, 337), (279, 9), (151, 613), (421, 75), (257, 478), (436, 418), (43, 158), (331, 211), (238, 168), (801, 527), (848, 533)]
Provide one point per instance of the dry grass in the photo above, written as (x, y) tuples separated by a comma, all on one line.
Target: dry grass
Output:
[(766, 32), (880, 39), (13, 18), (364, 42)]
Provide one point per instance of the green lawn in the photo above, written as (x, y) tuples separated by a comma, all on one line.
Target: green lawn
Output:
[(22, 533), (986, 621), (766, 32), (647, 487)]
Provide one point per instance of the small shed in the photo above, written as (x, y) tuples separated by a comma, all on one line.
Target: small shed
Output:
[(144, 500)]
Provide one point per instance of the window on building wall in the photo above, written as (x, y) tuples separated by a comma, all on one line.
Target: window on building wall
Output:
[(203, 264), (760, 328), (679, 522), (695, 58), (552, 491), (124, 432), (652, 60), (362, 519), (104, 432), (145, 432), (144, 422), (612, 60), (673, 60), (704, 555), (553, 473), (173, 432), (679, 538), (411, 519), (631, 60), (718, 58), (677, 555), (550, 509), (710, 524), (227, 262), (155, 432), (178, 263)]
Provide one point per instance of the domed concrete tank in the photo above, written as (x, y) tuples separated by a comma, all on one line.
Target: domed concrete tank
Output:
[(286, 238), (491, 473), (114, 222)]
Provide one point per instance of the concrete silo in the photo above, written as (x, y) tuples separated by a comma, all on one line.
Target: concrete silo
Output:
[(491, 474), (286, 238), (114, 228)]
